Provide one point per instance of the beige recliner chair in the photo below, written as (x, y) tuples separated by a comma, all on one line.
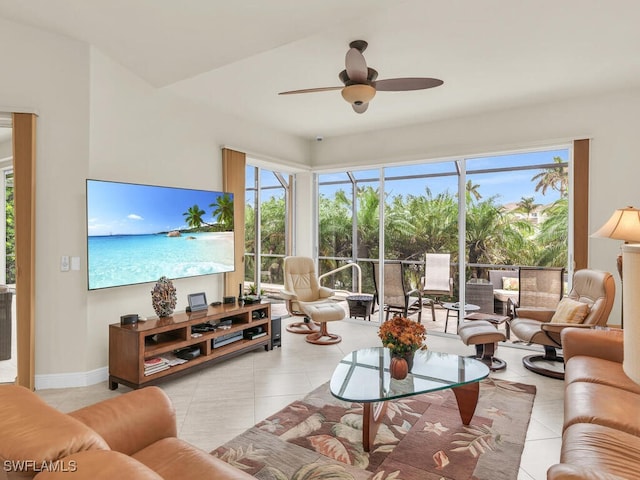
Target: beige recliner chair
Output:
[(305, 297), (588, 305)]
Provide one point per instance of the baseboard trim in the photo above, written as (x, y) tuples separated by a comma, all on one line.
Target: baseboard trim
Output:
[(69, 380)]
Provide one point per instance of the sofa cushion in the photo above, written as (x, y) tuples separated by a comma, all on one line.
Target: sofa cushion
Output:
[(98, 465), (33, 430), (598, 451), (570, 311), (597, 370), (505, 295), (174, 458), (586, 402)]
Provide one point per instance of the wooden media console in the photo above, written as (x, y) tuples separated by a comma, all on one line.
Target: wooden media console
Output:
[(131, 346)]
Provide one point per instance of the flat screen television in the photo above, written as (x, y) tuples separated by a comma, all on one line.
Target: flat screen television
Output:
[(139, 233)]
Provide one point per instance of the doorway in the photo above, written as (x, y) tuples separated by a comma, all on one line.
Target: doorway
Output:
[(8, 330), (23, 147)]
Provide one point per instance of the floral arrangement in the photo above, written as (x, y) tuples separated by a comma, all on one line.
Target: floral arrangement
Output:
[(402, 336), (163, 297)]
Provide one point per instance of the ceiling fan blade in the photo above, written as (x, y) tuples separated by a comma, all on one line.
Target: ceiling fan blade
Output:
[(360, 108), (311, 90), (404, 84), (356, 66)]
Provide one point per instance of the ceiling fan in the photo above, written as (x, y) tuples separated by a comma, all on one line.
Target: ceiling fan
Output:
[(360, 84)]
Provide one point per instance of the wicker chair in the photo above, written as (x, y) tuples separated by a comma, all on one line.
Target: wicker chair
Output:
[(480, 294)]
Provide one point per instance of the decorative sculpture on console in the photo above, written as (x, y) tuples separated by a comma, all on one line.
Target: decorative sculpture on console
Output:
[(163, 297)]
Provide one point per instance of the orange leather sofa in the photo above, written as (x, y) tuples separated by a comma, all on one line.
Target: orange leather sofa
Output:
[(601, 430), (131, 436)]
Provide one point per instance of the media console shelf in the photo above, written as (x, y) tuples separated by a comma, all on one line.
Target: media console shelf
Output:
[(131, 345)]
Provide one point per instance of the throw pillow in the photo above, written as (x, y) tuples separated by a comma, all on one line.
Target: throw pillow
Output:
[(510, 283), (570, 311)]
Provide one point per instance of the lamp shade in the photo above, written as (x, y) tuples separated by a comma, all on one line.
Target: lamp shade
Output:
[(358, 94), (624, 224)]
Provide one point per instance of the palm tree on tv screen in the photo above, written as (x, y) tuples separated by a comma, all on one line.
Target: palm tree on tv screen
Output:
[(223, 211), (193, 217)]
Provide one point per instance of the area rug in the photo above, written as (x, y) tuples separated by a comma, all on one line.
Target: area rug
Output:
[(421, 438)]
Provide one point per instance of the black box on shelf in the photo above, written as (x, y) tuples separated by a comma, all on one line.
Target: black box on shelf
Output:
[(255, 332), (276, 332)]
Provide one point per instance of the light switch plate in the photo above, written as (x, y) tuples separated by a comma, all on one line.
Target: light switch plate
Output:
[(64, 263), (75, 263)]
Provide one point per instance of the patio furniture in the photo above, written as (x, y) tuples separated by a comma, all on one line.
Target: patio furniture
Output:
[(437, 280), (360, 306), (398, 297), (481, 294), (455, 307), (501, 295), (588, 305)]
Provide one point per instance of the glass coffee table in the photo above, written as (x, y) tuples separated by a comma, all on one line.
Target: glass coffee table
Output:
[(363, 376)]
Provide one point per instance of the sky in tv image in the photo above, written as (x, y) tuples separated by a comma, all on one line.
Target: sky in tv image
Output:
[(138, 233), (131, 209)]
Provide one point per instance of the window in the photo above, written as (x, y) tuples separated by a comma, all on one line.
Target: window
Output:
[(514, 210), (266, 227)]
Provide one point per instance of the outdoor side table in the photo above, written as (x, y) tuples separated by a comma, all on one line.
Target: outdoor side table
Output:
[(360, 306)]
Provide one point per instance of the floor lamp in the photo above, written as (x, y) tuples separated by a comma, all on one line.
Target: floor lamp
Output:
[(624, 224)]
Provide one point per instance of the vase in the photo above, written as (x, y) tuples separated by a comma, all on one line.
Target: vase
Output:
[(398, 367)]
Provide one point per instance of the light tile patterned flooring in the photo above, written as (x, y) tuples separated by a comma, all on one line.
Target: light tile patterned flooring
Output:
[(217, 403)]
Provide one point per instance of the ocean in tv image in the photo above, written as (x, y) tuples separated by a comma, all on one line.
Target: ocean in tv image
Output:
[(138, 233)]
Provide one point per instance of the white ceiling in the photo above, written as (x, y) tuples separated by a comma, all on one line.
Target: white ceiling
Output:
[(237, 55)]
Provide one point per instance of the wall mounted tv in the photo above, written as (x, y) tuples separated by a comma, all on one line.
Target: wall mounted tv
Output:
[(138, 233)]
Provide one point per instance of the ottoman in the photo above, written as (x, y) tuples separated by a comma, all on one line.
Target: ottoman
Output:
[(484, 336), (322, 313)]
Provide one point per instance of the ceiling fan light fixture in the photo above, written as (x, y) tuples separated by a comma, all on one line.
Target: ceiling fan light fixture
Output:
[(358, 94)]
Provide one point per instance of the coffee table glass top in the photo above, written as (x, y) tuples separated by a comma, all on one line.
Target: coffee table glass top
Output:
[(363, 375)]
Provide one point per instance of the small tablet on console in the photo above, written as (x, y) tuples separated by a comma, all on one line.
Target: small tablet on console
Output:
[(197, 302)]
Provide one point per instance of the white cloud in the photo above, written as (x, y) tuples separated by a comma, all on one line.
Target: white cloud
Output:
[(133, 216)]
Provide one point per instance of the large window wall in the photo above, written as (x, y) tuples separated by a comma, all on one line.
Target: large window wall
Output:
[(503, 211)]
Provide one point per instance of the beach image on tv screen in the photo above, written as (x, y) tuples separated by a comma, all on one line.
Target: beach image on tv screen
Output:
[(139, 233)]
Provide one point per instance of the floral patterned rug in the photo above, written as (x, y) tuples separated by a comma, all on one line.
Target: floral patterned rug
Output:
[(421, 438)]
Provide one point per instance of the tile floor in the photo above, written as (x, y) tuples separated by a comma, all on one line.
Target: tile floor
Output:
[(217, 403)]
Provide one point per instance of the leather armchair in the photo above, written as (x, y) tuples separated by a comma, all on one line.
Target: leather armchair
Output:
[(534, 326), (301, 288)]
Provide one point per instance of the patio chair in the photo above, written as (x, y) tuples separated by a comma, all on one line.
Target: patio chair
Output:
[(587, 305), (398, 297), (437, 280)]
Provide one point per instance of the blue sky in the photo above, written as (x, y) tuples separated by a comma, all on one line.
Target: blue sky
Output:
[(509, 186), (130, 209)]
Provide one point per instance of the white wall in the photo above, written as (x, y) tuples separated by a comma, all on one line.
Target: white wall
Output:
[(609, 120), (140, 134), (96, 120), (49, 75)]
